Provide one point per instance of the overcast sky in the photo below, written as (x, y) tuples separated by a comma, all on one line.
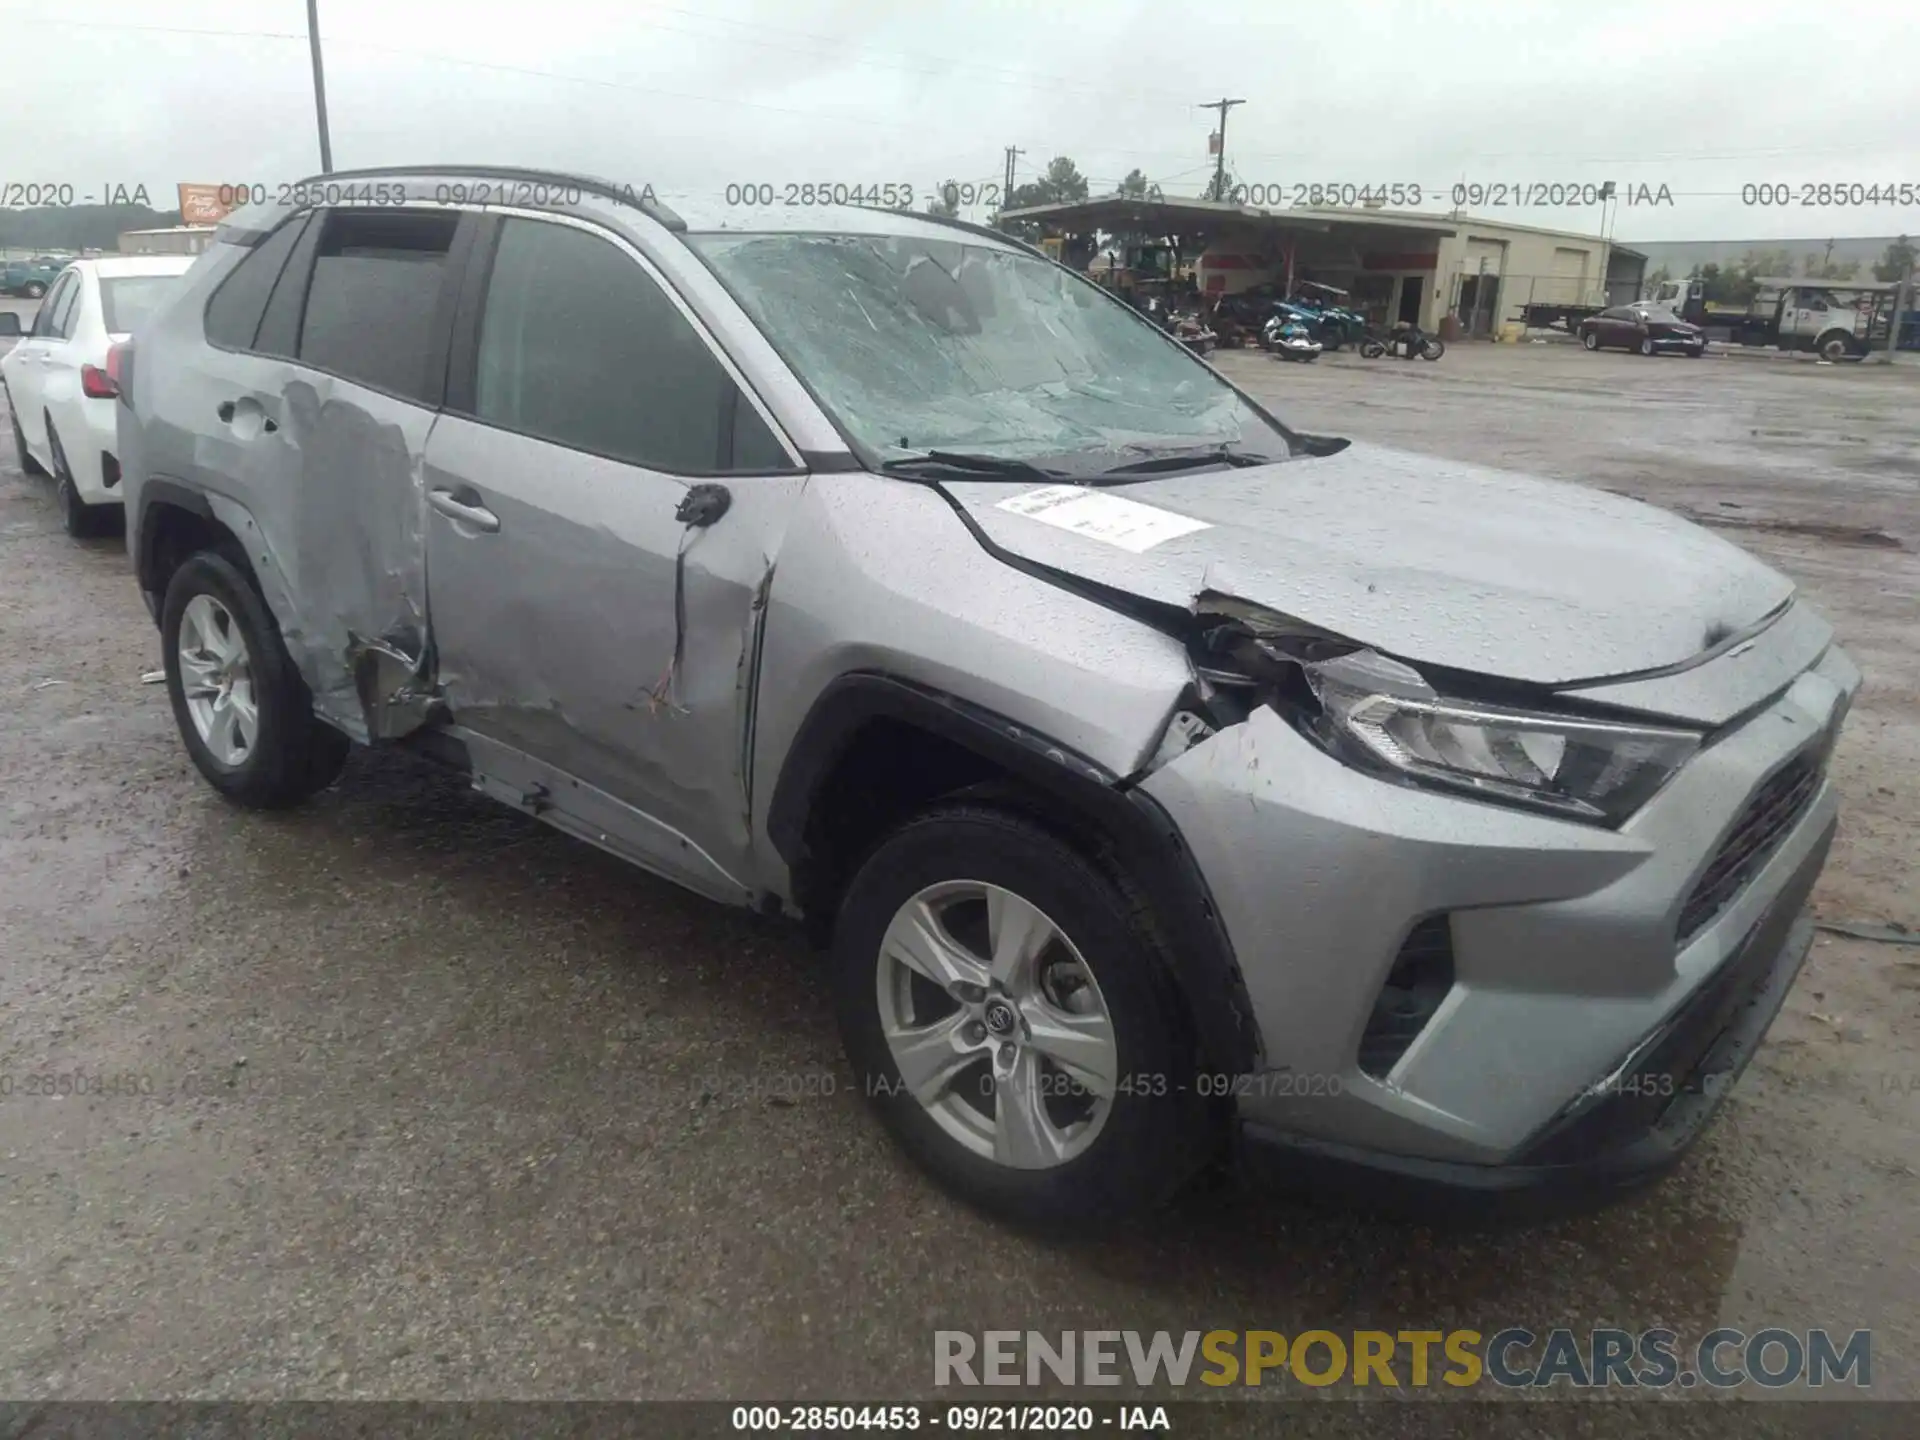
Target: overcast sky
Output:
[(1701, 98)]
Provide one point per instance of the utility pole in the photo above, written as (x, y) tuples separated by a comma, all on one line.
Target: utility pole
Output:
[(1220, 158), (1006, 195), (1902, 299), (319, 86)]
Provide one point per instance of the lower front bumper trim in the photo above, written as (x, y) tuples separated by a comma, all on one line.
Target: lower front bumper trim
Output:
[(1428, 1189)]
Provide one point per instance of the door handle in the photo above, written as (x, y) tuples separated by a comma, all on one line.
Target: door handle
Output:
[(467, 513)]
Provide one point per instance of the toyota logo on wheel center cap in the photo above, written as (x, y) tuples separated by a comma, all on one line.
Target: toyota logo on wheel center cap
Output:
[(999, 1017)]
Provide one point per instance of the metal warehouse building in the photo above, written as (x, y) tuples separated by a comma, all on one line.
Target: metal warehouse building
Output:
[(174, 240), (1398, 265)]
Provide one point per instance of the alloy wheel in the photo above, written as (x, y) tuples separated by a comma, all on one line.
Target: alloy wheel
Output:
[(216, 676), (996, 1024)]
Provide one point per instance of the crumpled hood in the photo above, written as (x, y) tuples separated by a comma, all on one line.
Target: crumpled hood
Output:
[(1431, 560)]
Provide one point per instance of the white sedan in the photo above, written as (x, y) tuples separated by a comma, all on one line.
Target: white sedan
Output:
[(57, 383)]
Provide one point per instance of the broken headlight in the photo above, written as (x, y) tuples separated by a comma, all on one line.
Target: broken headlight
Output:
[(1379, 712)]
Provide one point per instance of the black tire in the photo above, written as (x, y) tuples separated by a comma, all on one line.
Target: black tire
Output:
[(1591, 339), (1433, 350), (35, 290), (1646, 347), (295, 753), (28, 465), (1371, 349), (1156, 1134), (82, 521)]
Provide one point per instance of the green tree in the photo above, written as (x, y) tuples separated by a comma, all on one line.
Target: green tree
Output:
[(1135, 185), (1897, 263), (1060, 184)]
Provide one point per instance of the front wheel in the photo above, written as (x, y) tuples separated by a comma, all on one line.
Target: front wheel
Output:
[(1591, 340), (1433, 350), (1372, 349), (35, 290), (243, 710), (1646, 347), (1835, 347), (1007, 1016)]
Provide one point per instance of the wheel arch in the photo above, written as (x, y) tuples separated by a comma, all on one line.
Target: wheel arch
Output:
[(833, 801)]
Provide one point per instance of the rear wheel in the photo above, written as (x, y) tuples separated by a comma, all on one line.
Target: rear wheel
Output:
[(1835, 345), (35, 290), (1006, 1014), (1433, 350), (243, 710), (28, 464), (80, 519)]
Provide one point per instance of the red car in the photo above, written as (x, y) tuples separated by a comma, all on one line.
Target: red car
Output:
[(1646, 328)]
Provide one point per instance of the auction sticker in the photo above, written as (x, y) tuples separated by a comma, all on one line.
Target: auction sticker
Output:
[(1112, 518)]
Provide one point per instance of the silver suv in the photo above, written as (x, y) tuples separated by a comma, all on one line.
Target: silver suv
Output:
[(1159, 776)]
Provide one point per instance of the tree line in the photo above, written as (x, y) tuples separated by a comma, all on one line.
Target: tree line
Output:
[(78, 227), (1737, 283)]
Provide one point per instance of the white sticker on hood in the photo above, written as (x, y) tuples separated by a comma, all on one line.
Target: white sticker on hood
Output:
[(1112, 518)]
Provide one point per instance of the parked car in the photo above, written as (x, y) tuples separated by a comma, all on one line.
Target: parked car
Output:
[(1157, 774), (30, 278), (58, 385), (1643, 327)]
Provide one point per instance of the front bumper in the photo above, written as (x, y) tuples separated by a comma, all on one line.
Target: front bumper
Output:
[(1568, 972), (1623, 1132)]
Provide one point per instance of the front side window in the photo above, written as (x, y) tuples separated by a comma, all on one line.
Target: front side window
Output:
[(580, 346), (918, 343), (374, 295)]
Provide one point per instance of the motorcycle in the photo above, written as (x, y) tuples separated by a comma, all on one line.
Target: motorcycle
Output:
[(1325, 311), (1184, 326), (1289, 338), (1404, 342)]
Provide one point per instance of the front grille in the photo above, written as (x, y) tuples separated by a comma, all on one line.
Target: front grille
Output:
[(1768, 816), (1421, 976)]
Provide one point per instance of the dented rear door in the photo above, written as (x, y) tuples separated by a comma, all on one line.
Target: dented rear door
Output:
[(604, 502)]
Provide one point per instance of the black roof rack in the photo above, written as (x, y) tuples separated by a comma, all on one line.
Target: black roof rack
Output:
[(606, 189)]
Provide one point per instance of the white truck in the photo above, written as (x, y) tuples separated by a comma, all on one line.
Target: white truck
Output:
[(1840, 320)]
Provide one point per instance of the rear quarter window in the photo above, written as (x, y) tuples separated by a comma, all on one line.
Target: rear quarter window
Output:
[(233, 314)]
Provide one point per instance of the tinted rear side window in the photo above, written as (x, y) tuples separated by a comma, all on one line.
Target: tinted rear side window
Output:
[(233, 314), (127, 300), (375, 293), (580, 346)]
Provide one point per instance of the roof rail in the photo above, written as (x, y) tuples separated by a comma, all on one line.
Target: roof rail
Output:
[(606, 189), (972, 227)]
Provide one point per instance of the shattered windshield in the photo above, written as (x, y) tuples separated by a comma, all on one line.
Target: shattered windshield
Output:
[(923, 344)]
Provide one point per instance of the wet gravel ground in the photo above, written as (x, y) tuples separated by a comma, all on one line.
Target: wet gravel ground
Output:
[(420, 1099)]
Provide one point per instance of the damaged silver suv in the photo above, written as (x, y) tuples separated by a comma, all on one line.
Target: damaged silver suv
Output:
[(1161, 778)]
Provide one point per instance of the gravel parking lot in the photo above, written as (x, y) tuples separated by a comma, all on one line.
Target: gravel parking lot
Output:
[(419, 1098)]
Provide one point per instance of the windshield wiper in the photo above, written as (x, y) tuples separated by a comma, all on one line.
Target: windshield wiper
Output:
[(977, 464), (1190, 460)]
